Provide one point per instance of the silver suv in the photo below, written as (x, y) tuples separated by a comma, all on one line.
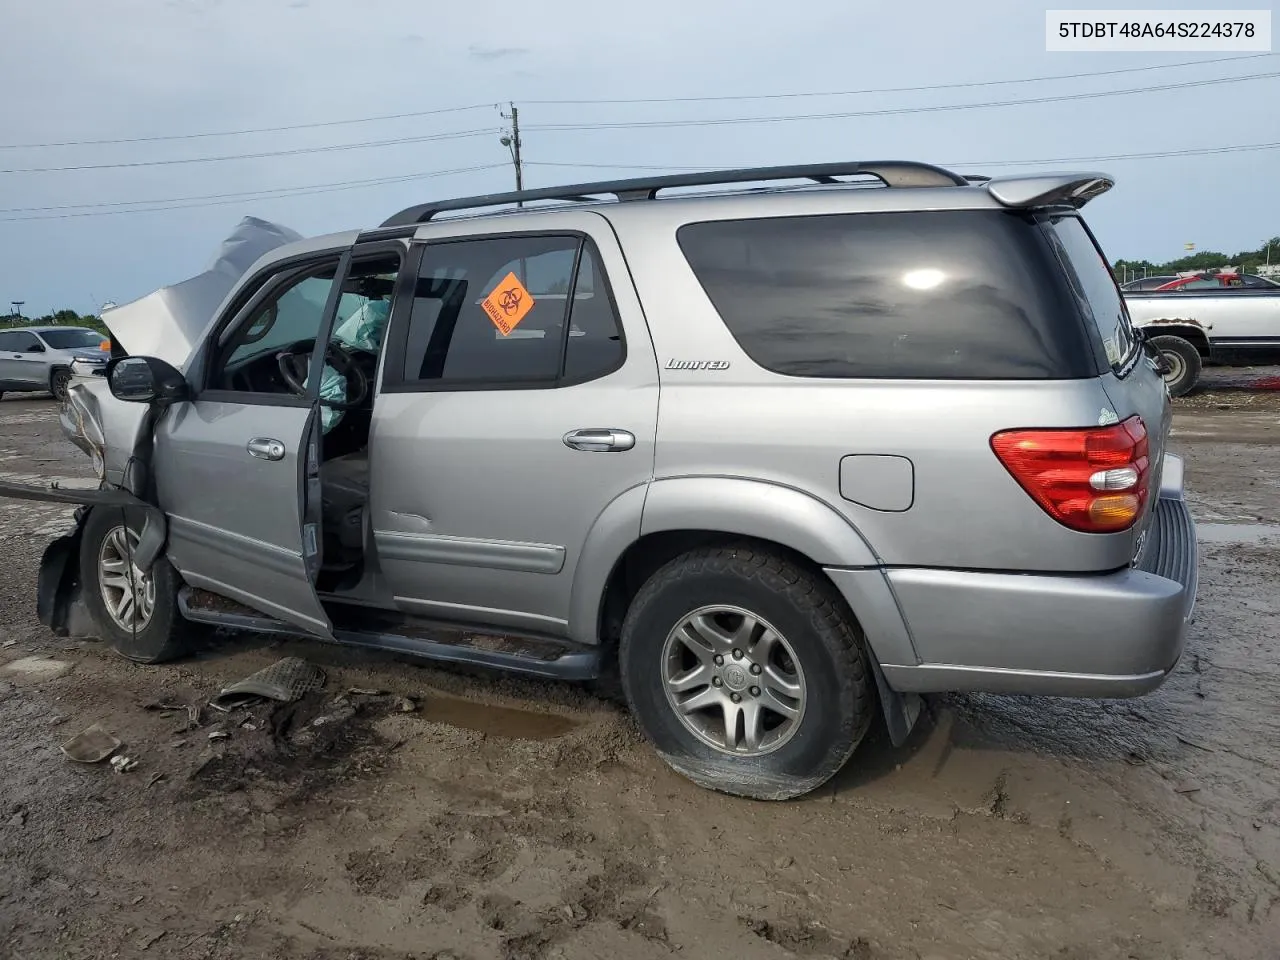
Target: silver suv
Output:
[(777, 458), (40, 359)]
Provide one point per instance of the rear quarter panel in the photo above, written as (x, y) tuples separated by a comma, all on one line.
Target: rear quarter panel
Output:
[(966, 510)]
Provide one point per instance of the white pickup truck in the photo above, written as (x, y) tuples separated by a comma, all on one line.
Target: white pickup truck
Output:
[(1190, 327)]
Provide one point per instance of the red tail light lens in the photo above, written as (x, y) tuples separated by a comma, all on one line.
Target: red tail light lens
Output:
[(1094, 480)]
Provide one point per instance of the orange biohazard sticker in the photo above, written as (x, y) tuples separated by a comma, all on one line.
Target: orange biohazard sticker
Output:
[(508, 304)]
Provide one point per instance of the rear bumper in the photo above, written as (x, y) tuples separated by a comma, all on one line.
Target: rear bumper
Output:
[(1108, 635)]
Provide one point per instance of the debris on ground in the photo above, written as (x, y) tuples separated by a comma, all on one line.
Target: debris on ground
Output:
[(285, 680), (218, 735), (92, 745), (122, 764)]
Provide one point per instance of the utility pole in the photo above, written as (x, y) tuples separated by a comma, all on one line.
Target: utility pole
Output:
[(511, 141), (17, 308)]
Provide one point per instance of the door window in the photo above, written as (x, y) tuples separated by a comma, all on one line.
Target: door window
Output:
[(530, 286), (20, 341), (288, 321)]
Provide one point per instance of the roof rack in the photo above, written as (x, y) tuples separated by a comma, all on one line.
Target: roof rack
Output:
[(893, 173)]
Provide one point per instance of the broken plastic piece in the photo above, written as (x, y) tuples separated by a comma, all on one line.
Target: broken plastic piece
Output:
[(285, 680), (91, 746)]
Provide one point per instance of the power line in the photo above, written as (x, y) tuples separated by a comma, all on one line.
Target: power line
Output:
[(250, 130), (1152, 155), (871, 90), (417, 114), (210, 200), (244, 194), (282, 193), (892, 111), (457, 135)]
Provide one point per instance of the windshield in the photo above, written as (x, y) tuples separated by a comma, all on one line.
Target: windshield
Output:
[(1095, 287), (72, 338)]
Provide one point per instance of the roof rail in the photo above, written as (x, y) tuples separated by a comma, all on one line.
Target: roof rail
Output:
[(893, 173)]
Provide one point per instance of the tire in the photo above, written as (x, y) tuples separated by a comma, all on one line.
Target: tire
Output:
[(1184, 359), (827, 652), (164, 634), (59, 380)]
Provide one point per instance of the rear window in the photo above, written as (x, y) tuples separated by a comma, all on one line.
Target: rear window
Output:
[(951, 295), (1095, 288)]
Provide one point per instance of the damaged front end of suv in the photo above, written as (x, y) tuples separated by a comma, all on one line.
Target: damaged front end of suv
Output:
[(118, 436)]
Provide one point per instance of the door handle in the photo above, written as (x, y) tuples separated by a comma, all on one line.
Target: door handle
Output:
[(600, 440), (264, 448)]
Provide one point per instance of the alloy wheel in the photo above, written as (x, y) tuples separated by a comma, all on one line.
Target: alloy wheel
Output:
[(734, 681)]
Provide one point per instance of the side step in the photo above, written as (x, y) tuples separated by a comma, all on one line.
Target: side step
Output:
[(402, 633)]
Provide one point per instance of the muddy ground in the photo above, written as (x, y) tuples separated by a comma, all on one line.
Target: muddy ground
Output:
[(488, 819)]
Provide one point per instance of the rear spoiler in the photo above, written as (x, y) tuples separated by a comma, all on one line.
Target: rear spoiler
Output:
[(1049, 190)]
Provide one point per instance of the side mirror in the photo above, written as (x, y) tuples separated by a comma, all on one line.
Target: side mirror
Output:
[(35, 348), (145, 380)]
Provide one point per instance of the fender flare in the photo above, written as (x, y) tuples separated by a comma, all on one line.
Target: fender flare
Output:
[(731, 505), (760, 509)]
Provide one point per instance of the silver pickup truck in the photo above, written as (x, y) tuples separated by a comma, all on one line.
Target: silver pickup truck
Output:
[(1191, 327)]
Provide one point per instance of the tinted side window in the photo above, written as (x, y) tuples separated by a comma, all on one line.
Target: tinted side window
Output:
[(492, 311), (595, 335), (7, 341), (24, 342), (932, 295), (1095, 288)]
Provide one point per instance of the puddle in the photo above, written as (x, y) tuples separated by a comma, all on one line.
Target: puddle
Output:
[(1237, 533), (495, 721)]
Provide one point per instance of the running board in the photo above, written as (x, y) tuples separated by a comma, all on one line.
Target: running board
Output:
[(398, 633)]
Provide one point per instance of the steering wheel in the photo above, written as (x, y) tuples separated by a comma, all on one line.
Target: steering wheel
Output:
[(294, 369)]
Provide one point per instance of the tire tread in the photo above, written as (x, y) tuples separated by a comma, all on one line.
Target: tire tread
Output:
[(828, 615)]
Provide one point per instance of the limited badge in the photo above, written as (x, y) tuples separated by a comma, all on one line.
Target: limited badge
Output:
[(508, 304)]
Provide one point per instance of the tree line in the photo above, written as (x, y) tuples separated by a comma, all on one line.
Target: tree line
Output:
[(59, 318), (1246, 261)]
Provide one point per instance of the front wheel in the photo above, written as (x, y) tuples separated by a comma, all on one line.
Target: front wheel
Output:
[(1183, 363), (59, 381), (747, 672), (135, 611)]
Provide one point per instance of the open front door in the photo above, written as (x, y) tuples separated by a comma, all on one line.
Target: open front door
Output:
[(237, 467)]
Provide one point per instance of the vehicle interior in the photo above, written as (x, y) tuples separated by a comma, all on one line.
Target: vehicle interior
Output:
[(449, 337), (273, 353)]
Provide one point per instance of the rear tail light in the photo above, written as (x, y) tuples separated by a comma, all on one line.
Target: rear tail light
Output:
[(1094, 480)]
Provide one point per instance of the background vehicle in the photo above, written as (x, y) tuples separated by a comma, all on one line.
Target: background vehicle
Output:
[(798, 452), (1207, 323), (1217, 281), (40, 358), (1147, 283)]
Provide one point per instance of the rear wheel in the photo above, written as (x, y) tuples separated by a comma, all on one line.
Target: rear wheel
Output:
[(747, 672), (1184, 364), (59, 380), (135, 611)]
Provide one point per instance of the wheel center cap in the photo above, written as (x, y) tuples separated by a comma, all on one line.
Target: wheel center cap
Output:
[(736, 677)]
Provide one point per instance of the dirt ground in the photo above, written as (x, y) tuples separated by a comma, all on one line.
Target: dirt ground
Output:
[(487, 819)]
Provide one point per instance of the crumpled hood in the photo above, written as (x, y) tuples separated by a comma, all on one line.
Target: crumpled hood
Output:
[(169, 322)]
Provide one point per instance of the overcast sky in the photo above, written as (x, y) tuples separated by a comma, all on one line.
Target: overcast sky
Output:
[(77, 70)]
